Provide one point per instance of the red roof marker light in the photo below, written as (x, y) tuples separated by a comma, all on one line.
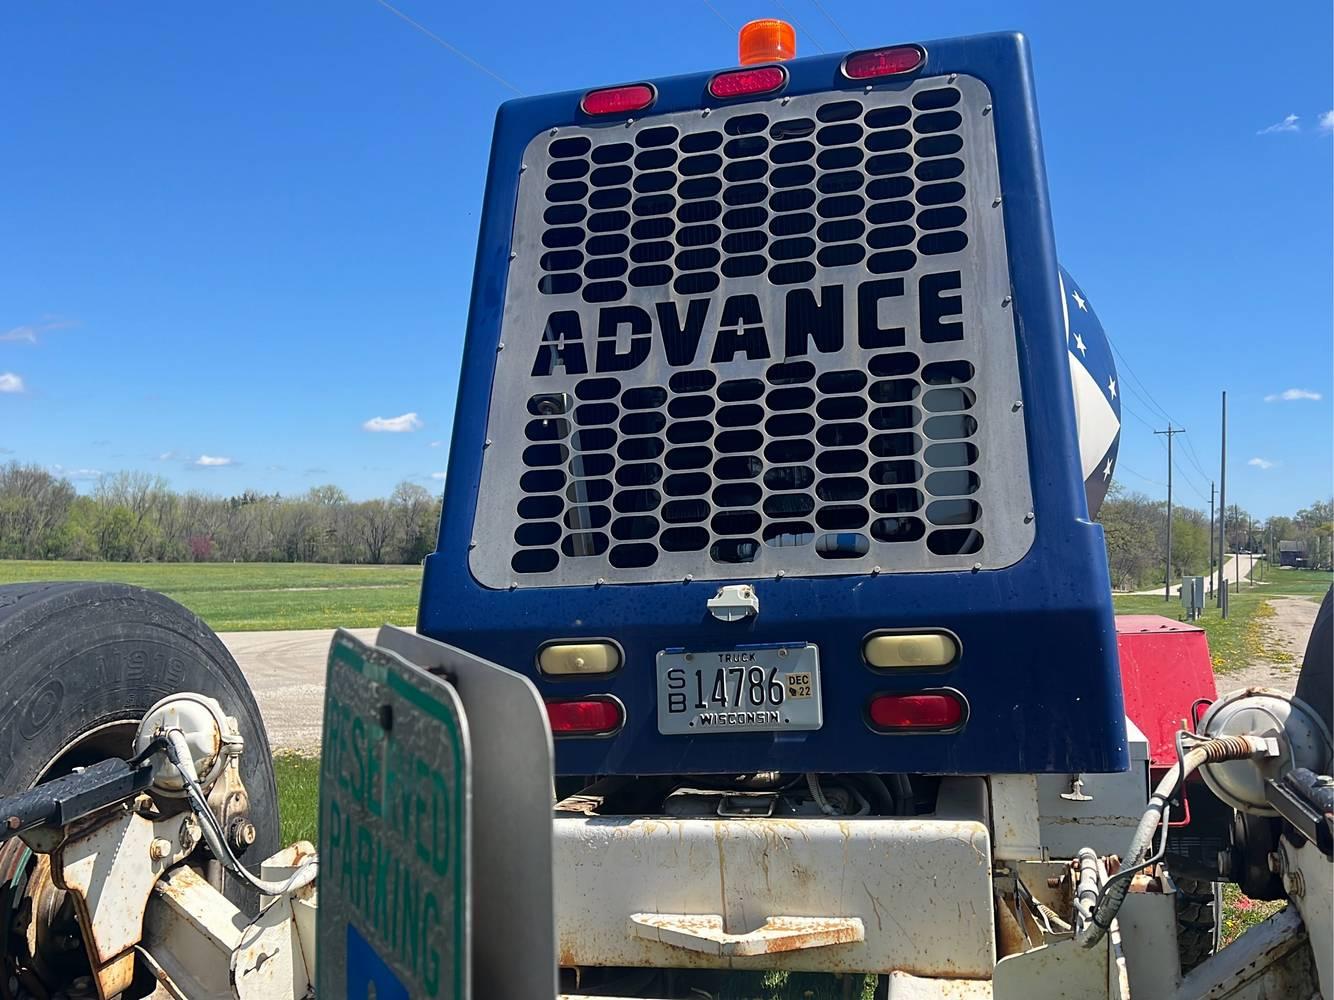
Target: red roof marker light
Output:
[(883, 62), (936, 711), (744, 82), (593, 716), (618, 100)]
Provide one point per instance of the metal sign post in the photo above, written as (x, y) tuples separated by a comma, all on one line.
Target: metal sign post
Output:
[(435, 826), (513, 950), (394, 830)]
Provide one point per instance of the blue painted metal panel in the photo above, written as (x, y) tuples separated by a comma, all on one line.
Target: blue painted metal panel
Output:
[(1039, 664)]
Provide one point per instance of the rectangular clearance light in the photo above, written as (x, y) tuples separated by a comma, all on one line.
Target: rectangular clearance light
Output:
[(618, 100), (745, 82), (924, 712), (566, 658), (910, 649), (597, 715), (883, 62)]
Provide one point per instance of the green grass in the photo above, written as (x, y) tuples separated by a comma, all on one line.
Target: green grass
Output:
[(1241, 913), (234, 597), (1241, 639), (298, 796)]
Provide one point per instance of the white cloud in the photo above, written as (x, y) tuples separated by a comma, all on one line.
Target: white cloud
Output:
[(1262, 463), (211, 461), (9, 382), (1326, 123), (393, 425), (29, 333), (1288, 395), (437, 475), (436, 444), (166, 456), (1288, 124)]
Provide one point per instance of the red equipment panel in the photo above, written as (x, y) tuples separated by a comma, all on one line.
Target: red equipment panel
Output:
[(1165, 668)]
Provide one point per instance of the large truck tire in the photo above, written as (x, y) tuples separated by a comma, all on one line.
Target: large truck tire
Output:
[(1199, 906), (80, 664)]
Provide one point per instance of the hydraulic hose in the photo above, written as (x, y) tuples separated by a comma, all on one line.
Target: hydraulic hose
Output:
[(178, 752), (1094, 920)]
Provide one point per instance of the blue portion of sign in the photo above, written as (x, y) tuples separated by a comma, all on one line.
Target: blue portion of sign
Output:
[(1039, 663), (1097, 393), (367, 970)]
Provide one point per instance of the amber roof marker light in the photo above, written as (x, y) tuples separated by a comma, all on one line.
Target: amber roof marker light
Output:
[(767, 40)]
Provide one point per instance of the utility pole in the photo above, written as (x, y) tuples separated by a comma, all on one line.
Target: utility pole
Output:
[(1222, 513), (1236, 573), (1167, 574), (1212, 582), (1250, 546)]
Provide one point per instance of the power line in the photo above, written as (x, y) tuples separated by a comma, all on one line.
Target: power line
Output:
[(783, 7), (837, 27), (452, 48), (1194, 458), (1153, 407), (1193, 484), (1148, 399), (1171, 432), (717, 13), (1152, 403), (1126, 408), (1122, 467)]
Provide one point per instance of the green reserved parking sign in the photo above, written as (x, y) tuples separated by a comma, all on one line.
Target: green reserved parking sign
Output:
[(395, 830)]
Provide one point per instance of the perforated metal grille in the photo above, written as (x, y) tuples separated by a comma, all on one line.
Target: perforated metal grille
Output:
[(772, 337)]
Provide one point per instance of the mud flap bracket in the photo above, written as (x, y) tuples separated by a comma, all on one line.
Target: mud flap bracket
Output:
[(706, 933)]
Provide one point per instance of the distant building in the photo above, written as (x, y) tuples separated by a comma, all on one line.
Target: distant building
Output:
[(1292, 554)]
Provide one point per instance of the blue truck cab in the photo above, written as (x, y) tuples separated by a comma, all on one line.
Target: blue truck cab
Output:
[(766, 457)]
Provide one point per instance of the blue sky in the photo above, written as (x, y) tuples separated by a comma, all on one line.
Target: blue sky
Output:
[(233, 234)]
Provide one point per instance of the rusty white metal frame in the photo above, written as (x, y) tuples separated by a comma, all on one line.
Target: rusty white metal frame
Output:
[(109, 870), (201, 947), (817, 894)]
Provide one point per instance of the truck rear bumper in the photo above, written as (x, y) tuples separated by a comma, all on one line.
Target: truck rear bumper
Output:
[(870, 894)]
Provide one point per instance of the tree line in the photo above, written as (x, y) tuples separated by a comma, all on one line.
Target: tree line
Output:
[(137, 517), (1135, 528)]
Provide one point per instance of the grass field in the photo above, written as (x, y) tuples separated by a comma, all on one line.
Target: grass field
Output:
[(1241, 639), (235, 597)]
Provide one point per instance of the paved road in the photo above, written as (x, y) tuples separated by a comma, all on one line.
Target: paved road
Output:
[(286, 672), (1211, 581)]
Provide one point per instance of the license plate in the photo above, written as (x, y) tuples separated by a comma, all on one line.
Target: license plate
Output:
[(761, 689)]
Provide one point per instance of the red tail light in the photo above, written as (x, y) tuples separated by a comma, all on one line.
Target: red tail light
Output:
[(936, 711), (883, 62), (596, 716), (618, 100), (744, 82)]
